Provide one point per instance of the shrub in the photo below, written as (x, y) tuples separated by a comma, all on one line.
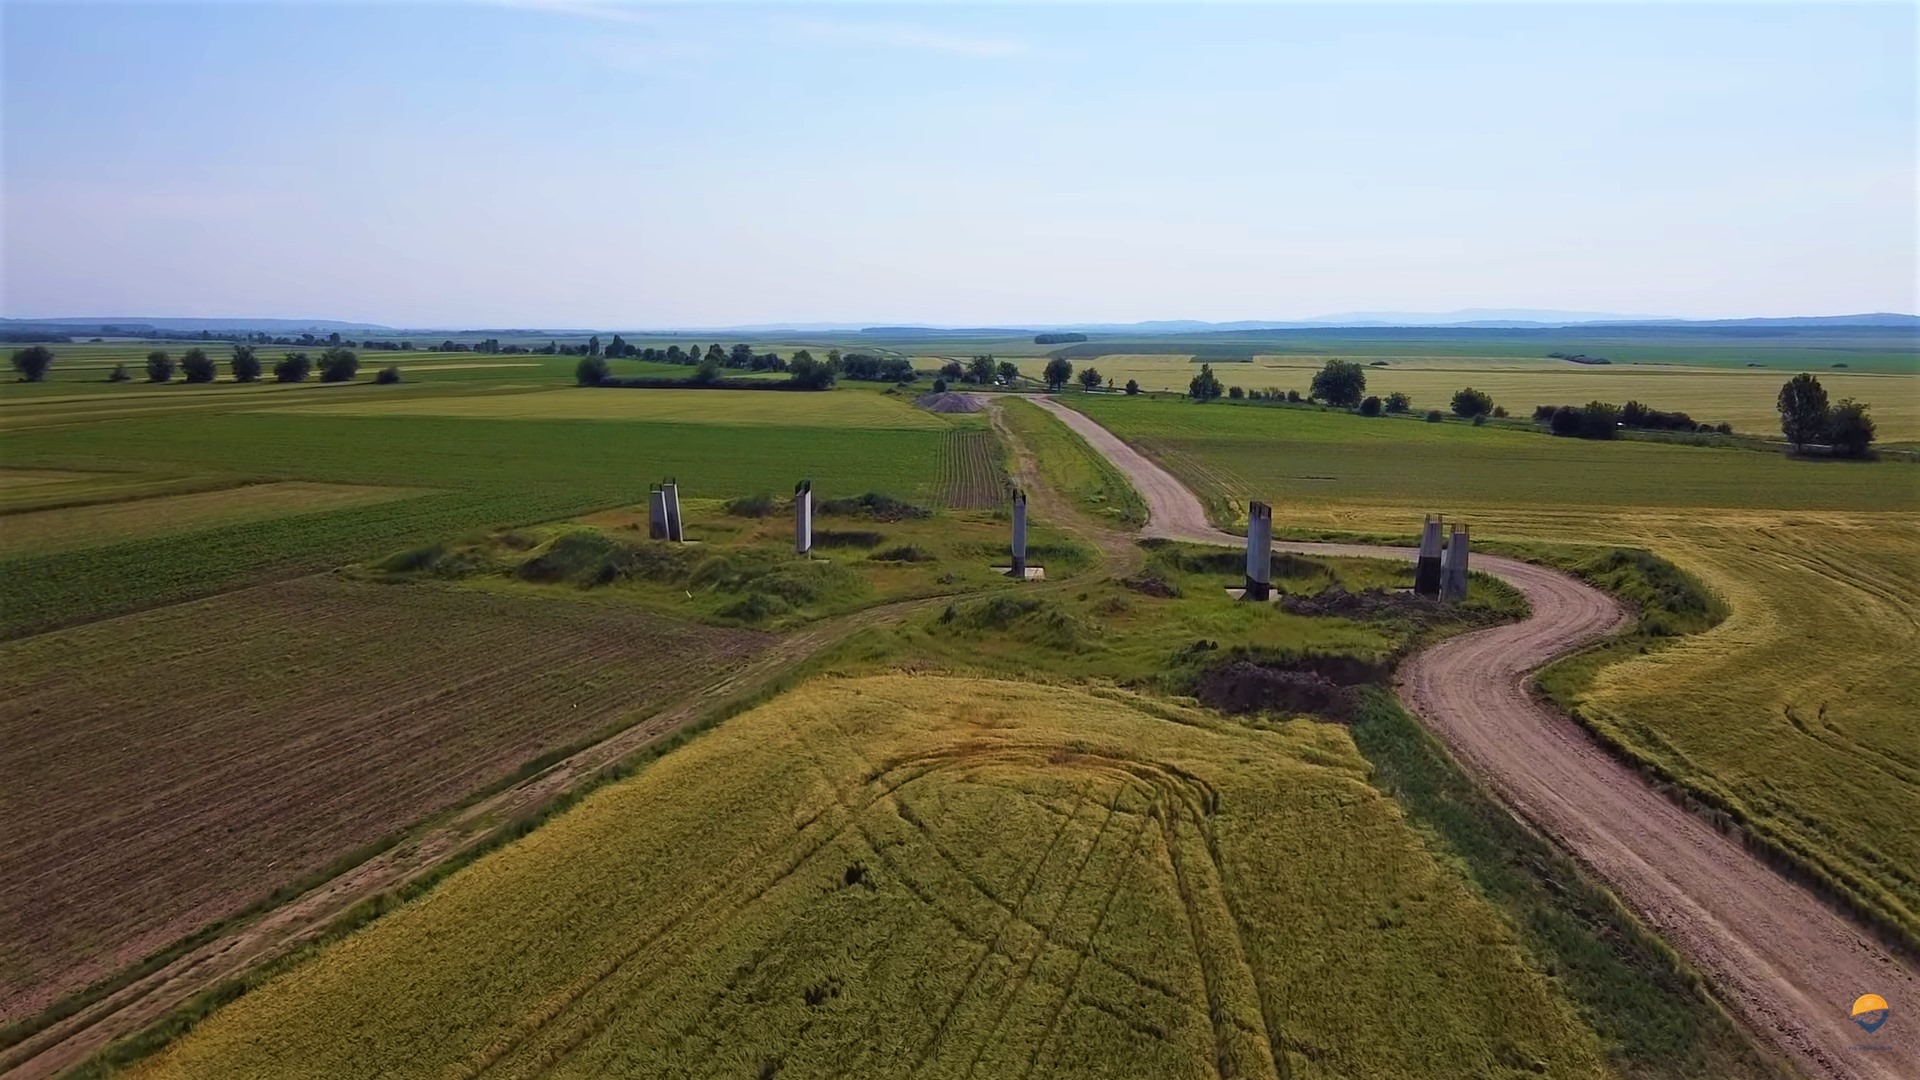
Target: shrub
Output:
[(1849, 429), (1133, 387), (1434, 417), (1341, 383), (939, 386), (338, 365), (159, 366), (752, 506), (873, 505), (1564, 420), (118, 374), (1723, 428), (1500, 411), (32, 362), (388, 375), (1469, 402), (292, 367), (590, 371), (1370, 407), (1294, 396), (195, 365), (1398, 402), (1599, 420), (1480, 420), (1543, 414), (1235, 393), (903, 553), (245, 364)]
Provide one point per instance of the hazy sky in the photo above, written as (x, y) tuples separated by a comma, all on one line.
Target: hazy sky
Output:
[(570, 163)]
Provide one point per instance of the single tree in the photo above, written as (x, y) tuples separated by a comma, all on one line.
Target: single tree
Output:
[(1849, 429), (615, 348), (1397, 402), (1434, 417), (939, 386), (953, 369), (292, 367), (338, 365), (740, 356), (709, 369), (32, 362), (1471, 403), (196, 366), (593, 346), (159, 366), (388, 375), (1057, 372), (590, 371), (1204, 386), (1370, 407), (118, 374), (1803, 411), (1090, 378), (1006, 372), (1341, 383), (245, 364), (1133, 387), (1234, 393), (980, 370)]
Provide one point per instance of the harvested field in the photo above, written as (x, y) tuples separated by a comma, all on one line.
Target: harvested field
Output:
[(914, 875), (165, 770), (43, 532), (972, 476)]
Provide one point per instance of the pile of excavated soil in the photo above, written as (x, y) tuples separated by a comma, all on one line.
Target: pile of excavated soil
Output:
[(949, 402)]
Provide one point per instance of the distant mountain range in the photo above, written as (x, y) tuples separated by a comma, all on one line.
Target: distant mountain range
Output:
[(1469, 318)]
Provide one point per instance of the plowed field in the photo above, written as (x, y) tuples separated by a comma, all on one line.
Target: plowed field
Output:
[(164, 770)]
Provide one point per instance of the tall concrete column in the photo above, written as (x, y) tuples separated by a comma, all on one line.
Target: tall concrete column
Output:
[(1259, 551), (1427, 571), (656, 513), (1019, 568), (803, 517), (1456, 564), (670, 491)]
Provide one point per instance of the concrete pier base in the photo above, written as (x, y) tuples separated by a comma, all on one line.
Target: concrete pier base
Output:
[(670, 492), (656, 513), (1259, 584), (1427, 571), (803, 517), (1454, 568)]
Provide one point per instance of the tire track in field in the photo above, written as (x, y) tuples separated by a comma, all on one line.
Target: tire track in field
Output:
[(1787, 964)]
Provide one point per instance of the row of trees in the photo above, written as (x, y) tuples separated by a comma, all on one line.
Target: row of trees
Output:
[(335, 364), (981, 370)]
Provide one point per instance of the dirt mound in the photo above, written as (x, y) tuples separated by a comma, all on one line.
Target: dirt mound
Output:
[(949, 402), (1245, 686), (1366, 604)]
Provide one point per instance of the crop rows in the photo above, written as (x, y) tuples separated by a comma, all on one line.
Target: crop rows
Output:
[(971, 473), (207, 753), (902, 875)]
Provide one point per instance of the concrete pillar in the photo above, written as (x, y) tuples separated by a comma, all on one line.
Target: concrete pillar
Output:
[(803, 517), (670, 491), (1427, 571), (1456, 564), (1259, 551), (656, 513), (1019, 568)]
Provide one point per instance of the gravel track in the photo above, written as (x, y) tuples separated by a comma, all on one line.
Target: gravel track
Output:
[(1780, 958)]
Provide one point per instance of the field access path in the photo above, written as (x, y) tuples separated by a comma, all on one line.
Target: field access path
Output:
[(1780, 958)]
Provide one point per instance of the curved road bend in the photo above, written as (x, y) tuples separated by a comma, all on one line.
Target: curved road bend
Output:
[(1783, 961)]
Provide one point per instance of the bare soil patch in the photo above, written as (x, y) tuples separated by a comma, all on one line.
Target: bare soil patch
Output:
[(166, 769)]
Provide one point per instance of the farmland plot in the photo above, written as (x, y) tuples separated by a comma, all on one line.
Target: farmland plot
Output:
[(164, 770), (904, 874), (972, 476)]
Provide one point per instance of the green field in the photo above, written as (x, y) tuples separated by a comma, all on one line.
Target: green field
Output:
[(1788, 715)]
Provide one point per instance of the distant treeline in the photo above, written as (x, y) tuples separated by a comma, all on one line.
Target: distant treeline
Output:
[(1578, 358), (1057, 339)]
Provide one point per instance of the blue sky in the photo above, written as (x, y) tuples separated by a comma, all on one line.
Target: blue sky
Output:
[(572, 163)]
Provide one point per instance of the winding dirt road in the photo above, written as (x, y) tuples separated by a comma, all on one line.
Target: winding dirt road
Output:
[(1783, 961)]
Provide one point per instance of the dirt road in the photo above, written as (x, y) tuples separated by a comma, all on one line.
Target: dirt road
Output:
[(1775, 954)]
